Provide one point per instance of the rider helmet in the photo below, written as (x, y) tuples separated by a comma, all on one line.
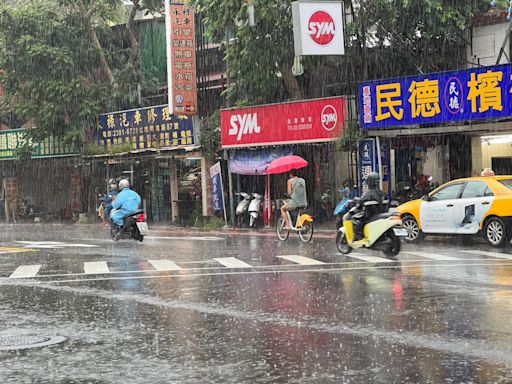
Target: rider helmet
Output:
[(124, 183), (372, 181)]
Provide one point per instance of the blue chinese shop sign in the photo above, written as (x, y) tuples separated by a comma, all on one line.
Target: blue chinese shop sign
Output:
[(472, 94), (144, 128)]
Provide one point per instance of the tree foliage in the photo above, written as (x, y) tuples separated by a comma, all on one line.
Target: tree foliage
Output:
[(50, 70), (65, 63), (384, 38)]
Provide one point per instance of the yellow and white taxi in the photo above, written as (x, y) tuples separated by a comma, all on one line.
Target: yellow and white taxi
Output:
[(463, 207)]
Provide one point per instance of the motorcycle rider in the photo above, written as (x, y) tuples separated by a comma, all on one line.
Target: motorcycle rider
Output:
[(127, 202), (373, 193)]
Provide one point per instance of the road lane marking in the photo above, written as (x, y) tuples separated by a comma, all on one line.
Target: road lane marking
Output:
[(25, 271), (54, 244), (432, 256), (499, 255), (232, 262), (164, 265), (370, 259), (96, 267), (279, 267), (204, 238), (257, 272), (300, 260)]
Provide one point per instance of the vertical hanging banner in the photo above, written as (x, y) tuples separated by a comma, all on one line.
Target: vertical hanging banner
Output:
[(218, 190), (181, 58), (369, 162)]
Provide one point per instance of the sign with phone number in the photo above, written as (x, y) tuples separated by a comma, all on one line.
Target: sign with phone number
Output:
[(144, 128), (471, 94)]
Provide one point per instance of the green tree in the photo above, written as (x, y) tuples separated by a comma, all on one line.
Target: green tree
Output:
[(384, 38), (64, 63)]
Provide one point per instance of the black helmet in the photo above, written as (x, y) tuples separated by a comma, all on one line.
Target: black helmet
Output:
[(372, 181)]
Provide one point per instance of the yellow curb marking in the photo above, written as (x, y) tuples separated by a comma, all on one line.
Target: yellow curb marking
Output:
[(16, 250)]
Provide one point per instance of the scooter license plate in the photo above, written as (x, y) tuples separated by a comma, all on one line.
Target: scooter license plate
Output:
[(402, 232), (143, 227)]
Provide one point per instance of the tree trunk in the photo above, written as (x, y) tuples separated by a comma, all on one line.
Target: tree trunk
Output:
[(291, 84), (132, 33), (86, 18)]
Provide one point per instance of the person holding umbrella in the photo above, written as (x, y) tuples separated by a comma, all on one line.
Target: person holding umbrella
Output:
[(296, 189)]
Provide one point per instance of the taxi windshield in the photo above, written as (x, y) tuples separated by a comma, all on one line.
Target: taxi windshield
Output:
[(507, 183)]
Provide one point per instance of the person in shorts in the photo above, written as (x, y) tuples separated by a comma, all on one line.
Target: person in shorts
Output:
[(296, 189)]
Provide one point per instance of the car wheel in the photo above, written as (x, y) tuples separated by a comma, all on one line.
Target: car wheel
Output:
[(495, 232), (414, 233)]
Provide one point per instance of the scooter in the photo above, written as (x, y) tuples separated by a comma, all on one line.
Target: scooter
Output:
[(255, 209), (242, 207), (343, 206), (382, 233), (134, 227)]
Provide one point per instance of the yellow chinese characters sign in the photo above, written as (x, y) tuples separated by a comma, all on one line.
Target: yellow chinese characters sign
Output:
[(472, 94)]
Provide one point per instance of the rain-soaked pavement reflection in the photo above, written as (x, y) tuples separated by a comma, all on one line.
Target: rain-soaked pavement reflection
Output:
[(416, 320)]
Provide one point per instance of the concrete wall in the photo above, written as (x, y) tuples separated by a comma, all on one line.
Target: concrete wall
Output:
[(433, 165), (486, 43), (494, 150), (477, 160)]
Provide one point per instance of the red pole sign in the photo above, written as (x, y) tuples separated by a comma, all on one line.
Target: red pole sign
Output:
[(182, 59)]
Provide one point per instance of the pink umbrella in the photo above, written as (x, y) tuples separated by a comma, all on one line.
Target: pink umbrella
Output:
[(286, 164)]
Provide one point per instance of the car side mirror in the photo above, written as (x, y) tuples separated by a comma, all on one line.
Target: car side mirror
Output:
[(425, 198)]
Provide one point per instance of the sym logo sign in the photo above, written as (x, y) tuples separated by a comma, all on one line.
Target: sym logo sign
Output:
[(246, 124), (321, 28), (318, 27), (329, 118)]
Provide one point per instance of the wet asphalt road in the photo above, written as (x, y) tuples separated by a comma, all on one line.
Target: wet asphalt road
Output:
[(210, 308)]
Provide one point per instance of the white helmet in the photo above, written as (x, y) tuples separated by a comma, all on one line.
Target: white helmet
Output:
[(123, 183)]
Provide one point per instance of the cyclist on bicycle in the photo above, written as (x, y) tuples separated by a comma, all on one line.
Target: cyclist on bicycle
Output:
[(296, 189)]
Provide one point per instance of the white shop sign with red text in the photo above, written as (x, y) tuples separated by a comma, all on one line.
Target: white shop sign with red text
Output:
[(308, 121), (318, 28)]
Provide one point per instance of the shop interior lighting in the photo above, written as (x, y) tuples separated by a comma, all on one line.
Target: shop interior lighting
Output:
[(503, 139)]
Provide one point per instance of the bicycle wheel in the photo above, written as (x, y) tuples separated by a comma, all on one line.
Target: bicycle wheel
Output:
[(306, 232), (282, 233)]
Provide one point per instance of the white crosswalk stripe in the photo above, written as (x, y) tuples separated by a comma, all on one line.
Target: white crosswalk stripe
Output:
[(164, 265), (96, 267), (301, 260), (25, 271), (369, 259), (433, 256), (498, 255), (232, 262)]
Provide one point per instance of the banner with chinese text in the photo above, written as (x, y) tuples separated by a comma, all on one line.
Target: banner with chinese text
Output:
[(369, 162), (13, 139), (471, 94), (183, 59), (144, 128)]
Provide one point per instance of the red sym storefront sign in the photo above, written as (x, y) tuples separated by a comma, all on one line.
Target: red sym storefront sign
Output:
[(310, 121), (318, 28)]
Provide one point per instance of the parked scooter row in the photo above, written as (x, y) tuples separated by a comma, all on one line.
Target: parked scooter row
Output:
[(406, 192), (249, 209)]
